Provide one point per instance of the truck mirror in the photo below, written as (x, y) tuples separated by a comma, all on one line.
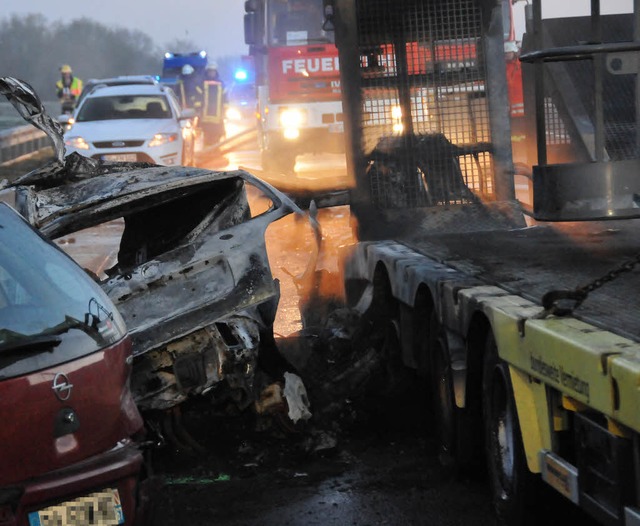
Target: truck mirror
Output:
[(327, 25), (250, 27)]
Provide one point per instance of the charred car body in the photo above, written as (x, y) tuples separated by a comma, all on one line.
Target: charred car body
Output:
[(191, 277)]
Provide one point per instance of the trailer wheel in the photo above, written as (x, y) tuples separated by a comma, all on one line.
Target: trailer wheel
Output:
[(509, 477), (391, 355), (444, 405)]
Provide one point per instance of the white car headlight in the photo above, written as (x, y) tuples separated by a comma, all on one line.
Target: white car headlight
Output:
[(77, 142), (163, 138)]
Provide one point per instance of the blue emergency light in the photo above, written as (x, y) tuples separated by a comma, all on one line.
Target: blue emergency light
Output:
[(241, 74)]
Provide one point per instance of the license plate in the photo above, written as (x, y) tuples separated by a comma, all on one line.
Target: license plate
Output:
[(97, 509), (336, 127), (120, 157)]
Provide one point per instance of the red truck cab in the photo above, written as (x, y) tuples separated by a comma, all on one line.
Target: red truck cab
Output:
[(68, 456)]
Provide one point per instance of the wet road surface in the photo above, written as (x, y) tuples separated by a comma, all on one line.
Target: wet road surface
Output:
[(382, 474), (376, 466)]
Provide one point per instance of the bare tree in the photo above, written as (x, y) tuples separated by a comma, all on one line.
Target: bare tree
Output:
[(34, 49)]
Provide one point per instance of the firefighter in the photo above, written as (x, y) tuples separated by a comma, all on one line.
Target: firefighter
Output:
[(191, 89), (211, 73), (214, 100), (68, 89)]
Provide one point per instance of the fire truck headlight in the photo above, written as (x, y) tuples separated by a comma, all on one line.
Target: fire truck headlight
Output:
[(291, 118), (233, 114), (77, 142), (291, 133)]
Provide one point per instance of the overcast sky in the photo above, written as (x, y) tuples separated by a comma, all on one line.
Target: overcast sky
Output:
[(562, 8), (216, 25)]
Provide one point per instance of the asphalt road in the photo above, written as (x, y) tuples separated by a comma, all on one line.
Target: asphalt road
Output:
[(376, 464), (380, 472)]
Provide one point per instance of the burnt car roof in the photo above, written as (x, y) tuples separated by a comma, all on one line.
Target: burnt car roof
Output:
[(70, 206)]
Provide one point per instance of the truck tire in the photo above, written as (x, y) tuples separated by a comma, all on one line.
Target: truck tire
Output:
[(511, 482), (446, 419)]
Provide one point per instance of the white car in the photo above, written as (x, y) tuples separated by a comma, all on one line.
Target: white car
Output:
[(133, 123)]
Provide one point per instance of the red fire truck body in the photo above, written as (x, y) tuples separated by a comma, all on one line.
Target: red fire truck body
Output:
[(298, 81)]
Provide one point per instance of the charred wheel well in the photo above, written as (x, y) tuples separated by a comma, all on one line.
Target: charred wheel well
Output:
[(354, 289), (383, 304), (477, 333), (476, 340), (382, 294), (423, 310)]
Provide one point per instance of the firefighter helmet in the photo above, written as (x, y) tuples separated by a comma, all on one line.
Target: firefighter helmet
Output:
[(187, 69), (66, 68)]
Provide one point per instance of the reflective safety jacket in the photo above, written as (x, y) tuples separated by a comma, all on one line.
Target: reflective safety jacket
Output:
[(72, 91)]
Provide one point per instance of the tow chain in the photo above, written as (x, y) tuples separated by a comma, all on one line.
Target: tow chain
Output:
[(564, 302)]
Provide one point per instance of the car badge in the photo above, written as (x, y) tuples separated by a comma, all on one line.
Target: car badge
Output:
[(62, 387), (117, 144)]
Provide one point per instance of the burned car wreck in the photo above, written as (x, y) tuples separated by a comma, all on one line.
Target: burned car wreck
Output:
[(189, 270)]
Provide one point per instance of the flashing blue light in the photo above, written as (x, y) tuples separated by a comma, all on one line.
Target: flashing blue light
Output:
[(203, 53), (168, 55), (241, 74)]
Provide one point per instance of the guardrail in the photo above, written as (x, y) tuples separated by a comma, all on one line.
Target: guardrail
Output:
[(21, 141)]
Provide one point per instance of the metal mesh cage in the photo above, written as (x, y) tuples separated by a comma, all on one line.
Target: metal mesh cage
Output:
[(570, 92), (425, 120), (556, 132)]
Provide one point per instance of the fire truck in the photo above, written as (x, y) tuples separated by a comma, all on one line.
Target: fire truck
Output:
[(297, 79), (520, 316)]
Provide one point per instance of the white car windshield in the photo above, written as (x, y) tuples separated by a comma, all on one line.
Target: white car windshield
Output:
[(124, 107)]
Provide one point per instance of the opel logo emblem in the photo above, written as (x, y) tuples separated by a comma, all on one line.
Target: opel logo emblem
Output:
[(117, 144), (61, 387)]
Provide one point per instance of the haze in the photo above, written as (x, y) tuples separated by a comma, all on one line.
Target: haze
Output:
[(216, 25), (558, 9), (213, 25)]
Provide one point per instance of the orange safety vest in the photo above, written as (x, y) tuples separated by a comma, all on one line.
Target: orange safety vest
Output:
[(213, 99), (74, 89)]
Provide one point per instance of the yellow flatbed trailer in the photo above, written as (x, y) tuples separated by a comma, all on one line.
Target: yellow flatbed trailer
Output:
[(574, 380)]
